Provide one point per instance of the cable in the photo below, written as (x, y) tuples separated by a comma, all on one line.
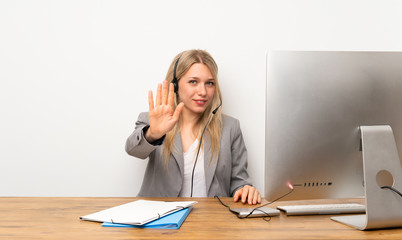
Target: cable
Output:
[(199, 145), (257, 208), (196, 158), (392, 189)]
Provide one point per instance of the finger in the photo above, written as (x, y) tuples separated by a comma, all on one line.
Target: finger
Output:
[(256, 195), (150, 101), (250, 197), (244, 194), (171, 95), (177, 112), (158, 95), (164, 93), (237, 195), (259, 198)]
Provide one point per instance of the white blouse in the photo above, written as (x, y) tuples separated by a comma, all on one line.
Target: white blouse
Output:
[(199, 185)]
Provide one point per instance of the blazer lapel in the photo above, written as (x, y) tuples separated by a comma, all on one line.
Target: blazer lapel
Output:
[(177, 153), (209, 164)]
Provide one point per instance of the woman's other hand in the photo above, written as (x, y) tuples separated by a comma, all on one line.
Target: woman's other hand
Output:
[(247, 193)]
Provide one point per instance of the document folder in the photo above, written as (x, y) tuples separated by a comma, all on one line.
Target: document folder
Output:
[(138, 212), (171, 221)]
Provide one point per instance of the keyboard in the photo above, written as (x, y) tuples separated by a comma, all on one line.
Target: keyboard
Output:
[(323, 209)]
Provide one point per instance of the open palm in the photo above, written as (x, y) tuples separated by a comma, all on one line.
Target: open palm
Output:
[(162, 116)]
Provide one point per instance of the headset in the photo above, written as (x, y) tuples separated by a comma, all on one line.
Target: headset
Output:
[(175, 82)]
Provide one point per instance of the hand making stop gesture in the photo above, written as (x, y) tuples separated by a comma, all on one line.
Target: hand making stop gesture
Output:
[(162, 116)]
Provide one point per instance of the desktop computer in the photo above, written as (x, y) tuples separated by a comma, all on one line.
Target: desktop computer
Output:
[(334, 130)]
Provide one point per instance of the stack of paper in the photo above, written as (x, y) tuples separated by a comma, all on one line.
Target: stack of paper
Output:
[(141, 212)]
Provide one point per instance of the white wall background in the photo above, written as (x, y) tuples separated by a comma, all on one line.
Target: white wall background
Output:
[(75, 74)]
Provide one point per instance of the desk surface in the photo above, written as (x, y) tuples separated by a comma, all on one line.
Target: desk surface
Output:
[(58, 218)]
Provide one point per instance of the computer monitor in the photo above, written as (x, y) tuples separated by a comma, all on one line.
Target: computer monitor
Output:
[(316, 102)]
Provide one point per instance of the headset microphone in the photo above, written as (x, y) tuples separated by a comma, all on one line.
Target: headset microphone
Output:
[(220, 104)]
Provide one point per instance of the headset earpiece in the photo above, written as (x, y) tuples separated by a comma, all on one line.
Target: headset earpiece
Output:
[(175, 85), (175, 81)]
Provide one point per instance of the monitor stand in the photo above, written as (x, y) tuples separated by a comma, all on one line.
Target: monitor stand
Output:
[(381, 167)]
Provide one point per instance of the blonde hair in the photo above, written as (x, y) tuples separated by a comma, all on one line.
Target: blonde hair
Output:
[(187, 59)]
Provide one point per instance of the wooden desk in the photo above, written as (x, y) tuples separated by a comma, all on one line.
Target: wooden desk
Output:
[(58, 218)]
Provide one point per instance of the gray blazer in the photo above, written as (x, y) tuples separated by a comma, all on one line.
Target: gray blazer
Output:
[(223, 177)]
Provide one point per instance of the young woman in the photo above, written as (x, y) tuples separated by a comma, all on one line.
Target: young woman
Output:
[(194, 150)]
